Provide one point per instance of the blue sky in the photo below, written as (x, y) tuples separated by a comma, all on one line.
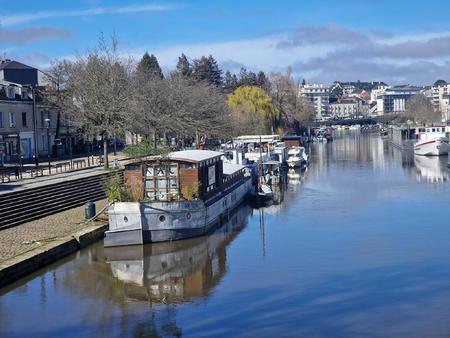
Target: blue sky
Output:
[(395, 41)]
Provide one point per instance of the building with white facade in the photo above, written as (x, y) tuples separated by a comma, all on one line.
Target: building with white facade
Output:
[(439, 97), (393, 100), (318, 96), (353, 107), (376, 91), (24, 123)]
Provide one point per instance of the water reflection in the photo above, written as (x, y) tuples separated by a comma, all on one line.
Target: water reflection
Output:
[(351, 149), (356, 246), (173, 272), (431, 169)]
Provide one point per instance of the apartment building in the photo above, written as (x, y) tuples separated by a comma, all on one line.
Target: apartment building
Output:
[(351, 107), (24, 123), (393, 100), (318, 96), (439, 97)]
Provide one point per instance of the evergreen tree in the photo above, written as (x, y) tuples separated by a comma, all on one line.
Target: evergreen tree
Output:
[(201, 69), (207, 70), (230, 82), (234, 81), (149, 65), (183, 66), (243, 75), (215, 72), (252, 79), (262, 81), (247, 78)]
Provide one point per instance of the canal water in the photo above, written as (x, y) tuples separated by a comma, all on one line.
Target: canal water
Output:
[(356, 246)]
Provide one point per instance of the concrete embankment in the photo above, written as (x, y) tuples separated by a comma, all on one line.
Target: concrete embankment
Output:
[(23, 264), (31, 246)]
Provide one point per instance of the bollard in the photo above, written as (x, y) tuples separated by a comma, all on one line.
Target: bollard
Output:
[(89, 211)]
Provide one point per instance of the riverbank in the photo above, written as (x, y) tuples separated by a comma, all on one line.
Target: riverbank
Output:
[(31, 246)]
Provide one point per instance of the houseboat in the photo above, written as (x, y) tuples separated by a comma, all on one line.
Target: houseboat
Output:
[(432, 141), (179, 196)]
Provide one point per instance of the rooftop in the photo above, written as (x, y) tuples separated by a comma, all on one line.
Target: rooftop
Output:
[(231, 168), (10, 64), (194, 155)]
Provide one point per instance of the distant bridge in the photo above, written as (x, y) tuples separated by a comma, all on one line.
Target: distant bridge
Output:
[(349, 122)]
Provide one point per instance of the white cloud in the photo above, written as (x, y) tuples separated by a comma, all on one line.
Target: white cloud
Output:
[(258, 53), (389, 57), (28, 17)]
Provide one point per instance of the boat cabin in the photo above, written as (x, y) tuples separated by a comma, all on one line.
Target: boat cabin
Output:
[(428, 133), (292, 141), (182, 175)]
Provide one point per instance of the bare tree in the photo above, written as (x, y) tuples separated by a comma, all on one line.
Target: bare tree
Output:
[(293, 107), (99, 88), (420, 110), (149, 104), (198, 108)]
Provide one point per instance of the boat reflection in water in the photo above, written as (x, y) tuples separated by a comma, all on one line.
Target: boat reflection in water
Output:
[(173, 272), (431, 169), (296, 176)]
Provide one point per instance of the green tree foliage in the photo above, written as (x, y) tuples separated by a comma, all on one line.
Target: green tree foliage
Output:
[(183, 66), (230, 82), (253, 111), (247, 78), (149, 65), (144, 148), (336, 92), (440, 83), (207, 70), (263, 82), (216, 72)]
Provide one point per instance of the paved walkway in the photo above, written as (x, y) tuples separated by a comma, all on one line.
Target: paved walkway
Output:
[(58, 166), (28, 236), (29, 182)]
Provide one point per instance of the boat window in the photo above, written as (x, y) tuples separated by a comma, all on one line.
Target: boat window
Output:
[(433, 130), (188, 165), (161, 181)]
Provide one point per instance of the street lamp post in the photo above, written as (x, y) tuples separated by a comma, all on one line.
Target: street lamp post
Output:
[(47, 122)]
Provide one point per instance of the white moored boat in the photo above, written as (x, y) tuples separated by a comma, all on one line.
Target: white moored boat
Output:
[(432, 141), (297, 157)]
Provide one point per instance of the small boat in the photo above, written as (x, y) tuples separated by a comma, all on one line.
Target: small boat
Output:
[(263, 196), (297, 157), (263, 193), (432, 141), (272, 172)]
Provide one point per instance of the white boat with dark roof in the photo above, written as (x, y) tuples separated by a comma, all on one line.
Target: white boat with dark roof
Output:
[(179, 196)]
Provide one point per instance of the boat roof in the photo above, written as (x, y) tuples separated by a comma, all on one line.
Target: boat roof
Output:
[(256, 138), (271, 163), (194, 155), (231, 168)]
